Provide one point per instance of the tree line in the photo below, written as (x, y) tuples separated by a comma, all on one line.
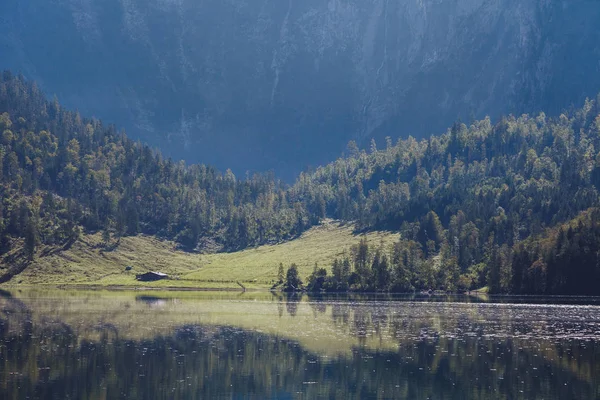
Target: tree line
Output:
[(564, 260)]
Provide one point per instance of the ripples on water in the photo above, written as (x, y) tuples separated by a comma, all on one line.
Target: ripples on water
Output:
[(86, 345)]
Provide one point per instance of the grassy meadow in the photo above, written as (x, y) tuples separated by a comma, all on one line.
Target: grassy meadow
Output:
[(87, 263)]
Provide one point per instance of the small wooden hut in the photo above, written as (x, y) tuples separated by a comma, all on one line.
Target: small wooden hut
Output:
[(151, 276)]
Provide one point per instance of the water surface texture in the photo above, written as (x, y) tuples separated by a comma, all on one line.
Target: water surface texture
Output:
[(103, 345)]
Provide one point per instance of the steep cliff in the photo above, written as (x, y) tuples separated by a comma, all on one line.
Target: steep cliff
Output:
[(260, 84)]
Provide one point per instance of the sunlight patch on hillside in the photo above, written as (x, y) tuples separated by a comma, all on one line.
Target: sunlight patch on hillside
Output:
[(87, 263)]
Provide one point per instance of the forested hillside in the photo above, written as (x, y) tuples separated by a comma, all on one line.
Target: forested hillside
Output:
[(61, 172), (473, 205), (464, 199)]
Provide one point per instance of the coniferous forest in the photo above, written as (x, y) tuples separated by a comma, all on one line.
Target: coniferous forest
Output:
[(510, 205)]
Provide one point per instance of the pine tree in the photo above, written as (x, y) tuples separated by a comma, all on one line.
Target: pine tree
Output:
[(292, 281), (31, 238)]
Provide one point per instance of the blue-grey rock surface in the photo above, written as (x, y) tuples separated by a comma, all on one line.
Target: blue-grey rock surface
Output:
[(282, 84)]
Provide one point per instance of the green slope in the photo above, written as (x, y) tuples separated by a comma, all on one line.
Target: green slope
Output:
[(86, 263)]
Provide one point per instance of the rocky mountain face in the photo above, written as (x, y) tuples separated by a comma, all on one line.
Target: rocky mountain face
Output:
[(282, 84)]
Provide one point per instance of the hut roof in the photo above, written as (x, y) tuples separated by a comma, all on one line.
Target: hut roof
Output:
[(152, 275)]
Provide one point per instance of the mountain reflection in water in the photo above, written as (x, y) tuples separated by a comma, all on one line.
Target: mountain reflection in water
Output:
[(88, 345)]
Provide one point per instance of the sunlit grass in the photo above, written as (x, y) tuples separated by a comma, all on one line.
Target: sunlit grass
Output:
[(86, 263), (320, 245)]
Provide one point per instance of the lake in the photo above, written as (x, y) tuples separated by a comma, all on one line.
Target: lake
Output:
[(218, 345)]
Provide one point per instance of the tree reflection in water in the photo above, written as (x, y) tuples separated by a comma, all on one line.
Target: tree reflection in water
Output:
[(50, 359)]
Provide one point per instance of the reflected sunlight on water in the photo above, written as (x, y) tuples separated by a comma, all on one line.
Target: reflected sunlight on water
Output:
[(222, 345)]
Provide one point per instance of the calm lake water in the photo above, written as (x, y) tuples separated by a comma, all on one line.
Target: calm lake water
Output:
[(169, 345)]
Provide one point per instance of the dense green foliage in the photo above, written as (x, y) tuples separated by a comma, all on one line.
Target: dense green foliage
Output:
[(60, 172), (403, 268), (465, 199), (566, 260), (468, 203)]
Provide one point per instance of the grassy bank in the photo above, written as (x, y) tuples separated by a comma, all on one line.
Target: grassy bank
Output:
[(87, 263)]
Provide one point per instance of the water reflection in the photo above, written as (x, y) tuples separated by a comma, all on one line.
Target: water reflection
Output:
[(152, 301), (107, 345)]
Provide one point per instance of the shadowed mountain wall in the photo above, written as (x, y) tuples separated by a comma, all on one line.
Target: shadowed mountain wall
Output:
[(282, 84)]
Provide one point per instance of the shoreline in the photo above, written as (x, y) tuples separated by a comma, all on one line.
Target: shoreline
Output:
[(122, 288)]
